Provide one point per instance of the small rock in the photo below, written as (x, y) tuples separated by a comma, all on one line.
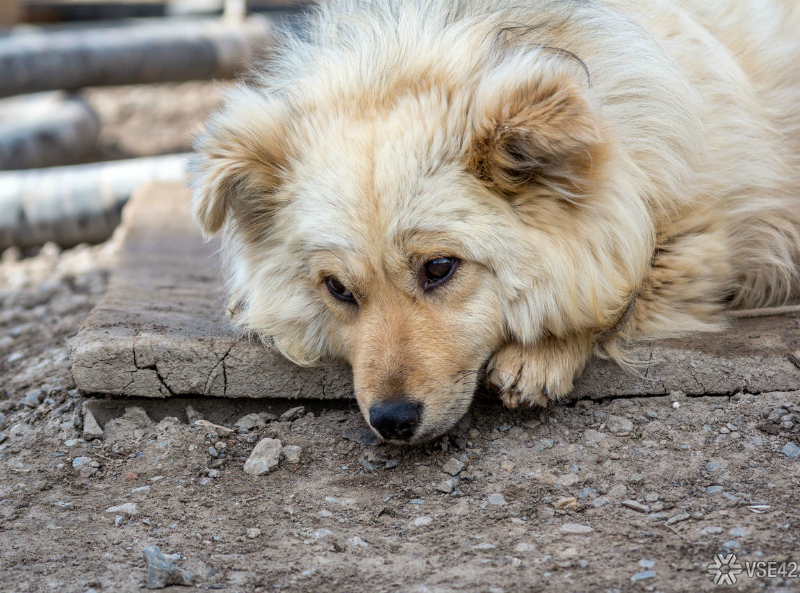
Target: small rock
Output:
[(391, 464), (162, 572), (592, 437), (714, 489), (600, 501), (575, 529), (204, 482), (293, 414), (618, 491), (585, 493), (362, 436), (213, 452), (140, 490), (652, 414), (497, 499), (732, 545), (636, 506), (651, 497), (445, 486), (264, 458), (568, 480), (357, 542), (485, 546), (291, 453), (713, 466), (130, 509), (711, 530), (619, 425), (422, 521), (2, 420), (678, 518), (739, 532), (191, 415), (644, 563), (222, 431), (370, 467), (453, 467), (33, 398), (213, 473), (791, 450), (643, 576), (253, 532), (91, 429), (543, 444), (250, 422)]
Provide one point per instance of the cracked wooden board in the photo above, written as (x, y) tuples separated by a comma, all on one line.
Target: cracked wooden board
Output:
[(160, 331)]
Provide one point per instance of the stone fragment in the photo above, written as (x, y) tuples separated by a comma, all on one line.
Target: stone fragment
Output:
[(130, 509), (575, 529), (291, 453), (253, 532), (636, 506), (497, 499), (592, 437), (619, 425), (91, 429), (161, 571), (293, 414), (250, 422), (362, 436), (453, 467), (791, 450), (264, 458)]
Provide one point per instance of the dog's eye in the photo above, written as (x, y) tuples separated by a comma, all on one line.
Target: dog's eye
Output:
[(438, 271), (338, 290)]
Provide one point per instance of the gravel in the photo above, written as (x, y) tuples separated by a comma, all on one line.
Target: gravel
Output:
[(636, 506)]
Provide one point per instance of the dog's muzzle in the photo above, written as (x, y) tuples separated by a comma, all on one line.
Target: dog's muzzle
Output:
[(395, 420)]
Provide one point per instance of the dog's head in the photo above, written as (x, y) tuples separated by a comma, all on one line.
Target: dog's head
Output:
[(413, 226)]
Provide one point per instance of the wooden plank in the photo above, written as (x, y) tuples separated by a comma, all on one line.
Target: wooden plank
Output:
[(160, 331)]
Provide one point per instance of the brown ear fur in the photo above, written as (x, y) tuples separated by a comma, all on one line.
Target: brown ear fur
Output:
[(540, 132), (238, 168)]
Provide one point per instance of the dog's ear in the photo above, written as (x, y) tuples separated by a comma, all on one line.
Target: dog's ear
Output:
[(240, 159), (531, 129)]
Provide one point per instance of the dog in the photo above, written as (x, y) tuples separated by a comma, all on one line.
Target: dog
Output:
[(442, 193)]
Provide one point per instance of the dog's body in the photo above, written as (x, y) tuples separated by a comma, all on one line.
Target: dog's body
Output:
[(432, 189)]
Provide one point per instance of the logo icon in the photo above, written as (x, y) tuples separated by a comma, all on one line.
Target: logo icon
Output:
[(725, 569)]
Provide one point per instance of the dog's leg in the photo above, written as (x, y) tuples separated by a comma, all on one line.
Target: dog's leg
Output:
[(531, 375)]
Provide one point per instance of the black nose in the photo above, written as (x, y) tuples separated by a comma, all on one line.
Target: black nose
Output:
[(395, 420)]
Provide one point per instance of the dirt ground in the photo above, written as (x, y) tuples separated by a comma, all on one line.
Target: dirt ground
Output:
[(606, 495)]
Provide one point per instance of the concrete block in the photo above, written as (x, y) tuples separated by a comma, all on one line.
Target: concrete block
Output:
[(160, 331)]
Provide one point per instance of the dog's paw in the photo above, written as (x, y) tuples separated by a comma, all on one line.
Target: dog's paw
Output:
[(533, 375)]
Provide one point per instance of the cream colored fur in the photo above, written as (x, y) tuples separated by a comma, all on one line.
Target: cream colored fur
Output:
[(570, 153)]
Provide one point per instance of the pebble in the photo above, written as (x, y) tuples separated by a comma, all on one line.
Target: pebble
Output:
[(645, 563), (140, 490), (191, 415), (732, 544), (446, 486), (161, 571), (791, 450), (453, 467), (651, 497), (33, 398), (80, 462), (739, 532), (205, 482), (575, 529), (585, 493), (711, 530), (714, 489), (264, 458), (370, 467), (713, 466), (592, 437), (543, 444), (293, 414), (2, 420), (250, 422), (222, 431), (91, 429), (618, 491), (652, 414), (253, 532), (485, 546), (643, 576), (636, 506), (678, 518), (497, 499), (619, 425), (213, 473), (130, 509), (213, 452), (357, 542), (600, 501), (391, 464), (325, 514), (292, 453), (422, 521), (362, 436), (418, 501), (568, 480)]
